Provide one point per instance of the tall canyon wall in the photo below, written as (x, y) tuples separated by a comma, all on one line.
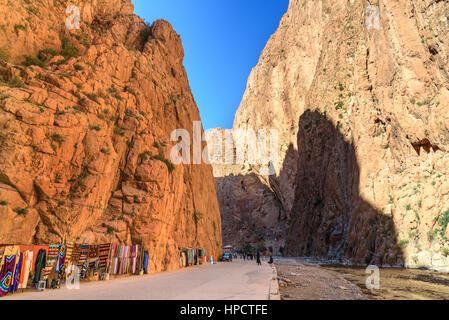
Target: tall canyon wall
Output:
[(85, 123), (362, 112)]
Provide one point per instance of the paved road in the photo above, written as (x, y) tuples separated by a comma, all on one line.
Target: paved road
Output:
[(238, 280)]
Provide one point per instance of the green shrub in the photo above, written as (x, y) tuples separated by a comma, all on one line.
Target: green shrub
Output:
[(159, 148), (443, 221), (403, 243), (78, 67), (92, 96), (338, 105), (424, 103), (46, 52), (57, 138), (3, 203), (18, 27), (112, 89), (32, 61), (32, 10), (130, 90), (68, 51), (168, 163), (4, 55), (197, 216), (76, 110), (119, 131), (21, 211), (96, 128), (145, 155), (445, 252)]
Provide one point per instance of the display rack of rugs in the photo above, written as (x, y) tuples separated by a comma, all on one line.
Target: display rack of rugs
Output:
[(47, 266), (189, 257)]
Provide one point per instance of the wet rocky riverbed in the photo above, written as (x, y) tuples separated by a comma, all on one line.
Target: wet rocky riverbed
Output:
[(308, 280)]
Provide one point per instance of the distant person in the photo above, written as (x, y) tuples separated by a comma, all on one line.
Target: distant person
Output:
[(258, 259), (271, 260)]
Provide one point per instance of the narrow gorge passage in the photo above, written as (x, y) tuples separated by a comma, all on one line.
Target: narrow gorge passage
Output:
[(297, 148)]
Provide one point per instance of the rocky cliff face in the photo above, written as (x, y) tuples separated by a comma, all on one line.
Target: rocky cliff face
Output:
[(251, 212), (362, 115), (85, 123)]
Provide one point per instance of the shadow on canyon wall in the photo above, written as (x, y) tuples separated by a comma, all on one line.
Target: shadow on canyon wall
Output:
[(250, 211), (329, 217)]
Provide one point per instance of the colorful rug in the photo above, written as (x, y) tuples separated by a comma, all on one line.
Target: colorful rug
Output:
[(60, 265), (76, 253), (145, 262), (26, 268), (61, 257), (104, 255), (17, 274), (68, 256), (53, 252), (133, 261), (40, 263), (7, 274), (94, 252), (83, 255)]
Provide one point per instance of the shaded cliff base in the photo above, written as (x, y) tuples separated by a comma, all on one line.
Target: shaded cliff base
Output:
[(332, 219), (329, 217), (252, 216)]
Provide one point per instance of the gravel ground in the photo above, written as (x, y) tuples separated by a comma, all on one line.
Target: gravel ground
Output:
[(308, 279), (301, 280)]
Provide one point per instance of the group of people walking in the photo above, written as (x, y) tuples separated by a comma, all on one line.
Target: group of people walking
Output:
[(250, 256)]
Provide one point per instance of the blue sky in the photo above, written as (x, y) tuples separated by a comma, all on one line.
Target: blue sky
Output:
[(222, 42)]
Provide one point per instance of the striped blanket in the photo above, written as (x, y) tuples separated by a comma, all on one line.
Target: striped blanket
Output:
[(134, 252), (83, 255), (104, 255), (68, 255), (121, 259), (53, 253)]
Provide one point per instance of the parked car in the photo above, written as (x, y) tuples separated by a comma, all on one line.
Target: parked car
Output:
[(227, 257)]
